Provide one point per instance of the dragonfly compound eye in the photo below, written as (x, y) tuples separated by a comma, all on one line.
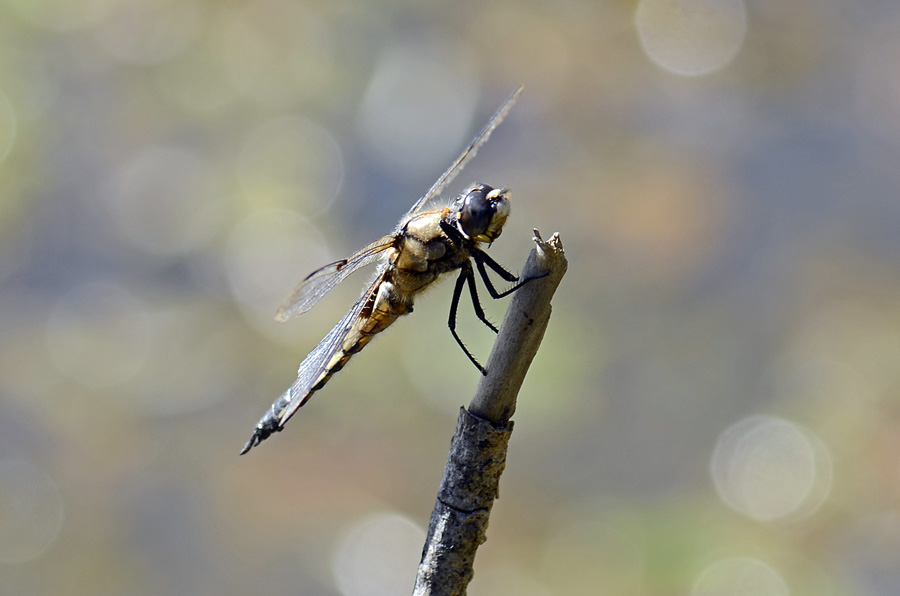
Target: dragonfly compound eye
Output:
[(476, 212)]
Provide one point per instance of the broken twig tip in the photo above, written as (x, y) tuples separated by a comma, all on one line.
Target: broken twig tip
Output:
[(554, 243)]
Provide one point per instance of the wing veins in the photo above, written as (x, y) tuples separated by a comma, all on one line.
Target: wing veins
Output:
[(315, 362), (321, 281), (468, 153)]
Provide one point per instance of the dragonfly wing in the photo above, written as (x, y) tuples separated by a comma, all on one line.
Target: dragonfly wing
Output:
[(314, 371), (315, 367), (467, 154), (318, 283)]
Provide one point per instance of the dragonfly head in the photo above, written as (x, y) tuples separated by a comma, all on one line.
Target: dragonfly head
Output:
[(481, 212)]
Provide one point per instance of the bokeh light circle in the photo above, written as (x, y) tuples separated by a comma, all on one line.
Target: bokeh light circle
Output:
[(31, 511), (691, 37), (411, 127), (150, 31), (62, 15), (291, 162), (378, 556), (740, 576), (166, 201), (99, 334), (275, 52), (768, 468), (267, 254)]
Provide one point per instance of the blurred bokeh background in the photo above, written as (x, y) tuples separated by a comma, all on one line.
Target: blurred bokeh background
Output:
[(716, 406)]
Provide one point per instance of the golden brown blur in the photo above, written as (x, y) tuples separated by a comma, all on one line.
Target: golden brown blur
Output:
[(715, 410)]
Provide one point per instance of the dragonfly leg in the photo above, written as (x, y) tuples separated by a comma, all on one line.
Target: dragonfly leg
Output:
[(482, 259), (466, 276), (476, 303)]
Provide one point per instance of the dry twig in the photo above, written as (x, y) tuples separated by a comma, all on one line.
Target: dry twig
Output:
[(478, 449)]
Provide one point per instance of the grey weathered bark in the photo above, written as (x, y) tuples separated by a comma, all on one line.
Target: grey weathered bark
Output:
[(478, 449)]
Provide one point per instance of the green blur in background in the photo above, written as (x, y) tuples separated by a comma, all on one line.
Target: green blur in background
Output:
[(715, 409)]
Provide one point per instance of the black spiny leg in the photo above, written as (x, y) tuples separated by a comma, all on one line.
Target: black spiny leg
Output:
[(482, 259), (466, 275), (476, 302)]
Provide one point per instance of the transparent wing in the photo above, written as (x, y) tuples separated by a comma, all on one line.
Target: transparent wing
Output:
[(467, 154), (317, 361), (318, 283)]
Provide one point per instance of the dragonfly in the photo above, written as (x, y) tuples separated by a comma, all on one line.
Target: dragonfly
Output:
[(427, 244)]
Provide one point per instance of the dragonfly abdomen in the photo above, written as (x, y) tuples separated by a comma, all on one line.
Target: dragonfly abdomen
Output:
[(385, 310), (277, 415)]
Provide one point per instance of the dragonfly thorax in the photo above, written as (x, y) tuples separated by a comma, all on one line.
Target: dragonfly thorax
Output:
[(481, 212)]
